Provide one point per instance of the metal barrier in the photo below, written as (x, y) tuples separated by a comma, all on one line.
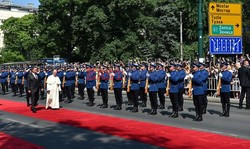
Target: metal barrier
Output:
[(212, 85)]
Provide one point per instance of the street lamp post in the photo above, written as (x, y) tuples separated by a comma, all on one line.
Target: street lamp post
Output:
[(200, 31), (181, 36)]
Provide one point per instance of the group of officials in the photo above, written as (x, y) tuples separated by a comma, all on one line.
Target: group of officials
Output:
[(138, 80)]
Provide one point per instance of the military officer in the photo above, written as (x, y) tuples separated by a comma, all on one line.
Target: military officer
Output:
[(81, 82), (182, 74), (204, 75), (68, 85), (129, 96), (90, 84), (161, 84), (104, 78), (28, 95), (117, 74), (153, 88), (198, 91), (3, 76), (134, 77), (43, 75), (20, 81), (226, 78), (143, 76), (13, 81), (173, 77)]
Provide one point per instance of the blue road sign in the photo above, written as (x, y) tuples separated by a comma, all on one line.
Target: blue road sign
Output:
[(225, 45)]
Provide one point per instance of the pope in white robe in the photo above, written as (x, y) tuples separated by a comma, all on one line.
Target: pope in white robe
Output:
[(53, 89)]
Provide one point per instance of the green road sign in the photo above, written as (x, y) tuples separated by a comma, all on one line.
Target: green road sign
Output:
[(222, 29)]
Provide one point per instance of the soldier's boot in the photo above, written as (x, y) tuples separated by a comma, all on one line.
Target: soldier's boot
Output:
[(228, 110), (135, 109), (223, 110)]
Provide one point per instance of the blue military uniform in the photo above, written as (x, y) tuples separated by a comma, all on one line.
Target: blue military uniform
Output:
[(43, 77), (81, 83), (104, 78), (182, 75), (90, 84), (161, 84), (20, 82), (204, 76), (198, 93), (129, 96), (3, 76), (118, 88), (226, 78), (135, 77), (13, 82), (68, 85), (143, 95), (153, 89)]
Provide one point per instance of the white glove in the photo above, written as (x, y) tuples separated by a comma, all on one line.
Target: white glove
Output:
[(77, 73), (168, 75), (130, 74), (125, 73), (16, 73), (191, 75), (112, 74), (147, 74), (100, 74), (220, 74), (64, 73), (46, 74)]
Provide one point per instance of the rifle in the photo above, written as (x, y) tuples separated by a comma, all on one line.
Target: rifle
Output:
[(111, 83), (98, 80), (63, 82), (190, 88), (16, 79), (124, 81), (146, 86), (218, 87), (44, 82), (128, 86), (23, 80), (76, 81), (168, 87)]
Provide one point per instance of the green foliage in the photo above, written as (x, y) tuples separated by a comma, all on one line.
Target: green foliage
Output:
[(11, 56)]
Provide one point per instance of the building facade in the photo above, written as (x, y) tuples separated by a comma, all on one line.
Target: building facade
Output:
[(7, 10)]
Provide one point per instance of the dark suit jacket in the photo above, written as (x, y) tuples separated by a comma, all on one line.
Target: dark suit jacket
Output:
[(33, 84), (244, 76)]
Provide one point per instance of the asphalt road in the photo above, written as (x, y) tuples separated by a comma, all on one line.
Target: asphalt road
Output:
[(48, 134)]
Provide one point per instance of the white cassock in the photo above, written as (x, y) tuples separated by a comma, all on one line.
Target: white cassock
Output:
[(53, 85)]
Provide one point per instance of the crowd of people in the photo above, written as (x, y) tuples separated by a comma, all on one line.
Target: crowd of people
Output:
[(138, 80)]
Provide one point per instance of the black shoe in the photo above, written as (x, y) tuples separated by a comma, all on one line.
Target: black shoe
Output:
[(118, 108), (240, 106), (154, 112), (181, 109), (90, 104), (28, 105), (130, 103), (135, 110), (223, 114), (227, 114), (104, 106), (143, 104), (204, 111), (68, 101), (199, 119), (161, 107), (174, 115), (247, 108), (33, 110)]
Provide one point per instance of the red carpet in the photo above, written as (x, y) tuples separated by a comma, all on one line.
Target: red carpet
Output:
[(155, 134), (10, 142)]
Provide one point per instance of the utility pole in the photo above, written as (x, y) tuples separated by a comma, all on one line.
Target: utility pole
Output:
[(181, 36), (200, 32)]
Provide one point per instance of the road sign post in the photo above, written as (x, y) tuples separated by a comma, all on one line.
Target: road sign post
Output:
[(225, 28)]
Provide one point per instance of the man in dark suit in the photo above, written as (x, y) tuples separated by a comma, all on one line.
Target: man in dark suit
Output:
[(244, 76), (33, 83)]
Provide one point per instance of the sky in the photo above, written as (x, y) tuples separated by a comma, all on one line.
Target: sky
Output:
[(25, 2)]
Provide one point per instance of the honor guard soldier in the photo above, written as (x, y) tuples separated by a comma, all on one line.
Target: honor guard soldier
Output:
[(81, 82), (117, 74), (134, 77), (13, 81), (161, 84), (72, 78), (60, 74), (182, 74), (8, 79), (129, 96), (204, 73), (43, 75), (143, 76), (153, 88), (20, 81), (4, 76), (104, 78), (198, 91), (173, 77), (226, 78), (68, 85), (90, 84)]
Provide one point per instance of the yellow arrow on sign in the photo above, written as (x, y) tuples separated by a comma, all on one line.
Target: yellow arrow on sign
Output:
[(234, 20), (225, 8)]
